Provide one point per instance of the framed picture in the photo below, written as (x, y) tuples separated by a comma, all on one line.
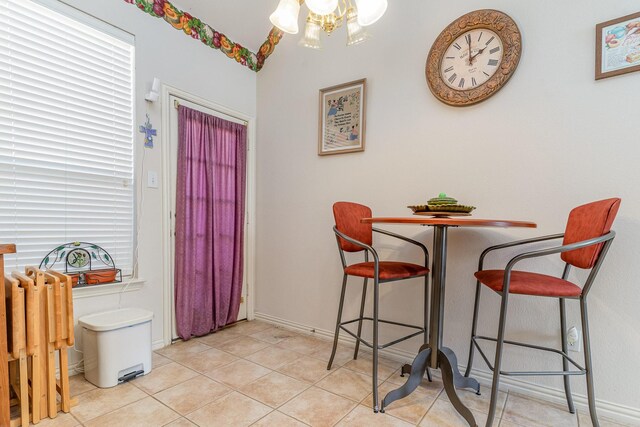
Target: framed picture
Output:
[(341, 128), (618, 46)]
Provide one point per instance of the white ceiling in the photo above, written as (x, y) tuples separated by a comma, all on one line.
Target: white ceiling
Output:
[(242, 21)]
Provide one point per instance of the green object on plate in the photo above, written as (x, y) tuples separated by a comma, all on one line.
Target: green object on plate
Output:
[(442, 203), (442, 199)]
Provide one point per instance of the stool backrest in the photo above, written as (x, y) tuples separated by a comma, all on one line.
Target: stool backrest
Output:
[(347, 216), (587, 222)]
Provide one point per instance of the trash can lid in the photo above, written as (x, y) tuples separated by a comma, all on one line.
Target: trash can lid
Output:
[(116, 319)]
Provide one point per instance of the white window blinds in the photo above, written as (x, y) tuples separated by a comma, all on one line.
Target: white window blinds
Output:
[(66, 134)]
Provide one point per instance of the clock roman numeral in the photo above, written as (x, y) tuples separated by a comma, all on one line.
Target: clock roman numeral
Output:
[(485, 73), (461, 84), (449, 57), (449, 69), (493, 62), (489, 41), (473, 81), (480, 36), (468, 38), (457, 46), (453, 78), (494, 50)]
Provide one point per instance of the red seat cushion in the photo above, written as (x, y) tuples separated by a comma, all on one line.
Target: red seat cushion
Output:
[(388, 270), (523, 282)]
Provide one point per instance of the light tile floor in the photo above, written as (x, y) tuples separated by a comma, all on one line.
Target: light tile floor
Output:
[(259, 375)]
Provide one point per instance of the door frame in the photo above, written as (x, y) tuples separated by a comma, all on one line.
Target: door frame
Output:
[(167, 92)]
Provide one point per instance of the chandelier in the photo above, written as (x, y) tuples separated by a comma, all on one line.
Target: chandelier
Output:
[(328, 15)]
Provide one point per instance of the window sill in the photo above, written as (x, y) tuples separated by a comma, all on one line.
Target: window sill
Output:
[(130, 285)]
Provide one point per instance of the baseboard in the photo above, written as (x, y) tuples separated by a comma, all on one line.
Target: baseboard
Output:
[(75, 369), (610, 410)]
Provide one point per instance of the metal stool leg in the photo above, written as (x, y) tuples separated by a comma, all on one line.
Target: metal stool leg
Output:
[(565, 362), (364, 299), (376, 299), (587, 362), (498, 361), (474, 326), (335, 336)]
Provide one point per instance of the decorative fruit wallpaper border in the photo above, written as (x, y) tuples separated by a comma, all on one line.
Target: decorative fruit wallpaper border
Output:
[(199, 30)]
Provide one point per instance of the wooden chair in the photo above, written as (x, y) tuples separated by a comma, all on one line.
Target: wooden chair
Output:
[(17, 358), (37, 297), (4, 354), (32, 331), (586, 240), (64, 332)]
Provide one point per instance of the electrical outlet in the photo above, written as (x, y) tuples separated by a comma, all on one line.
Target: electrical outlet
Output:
[(152, 179), (573, 339)]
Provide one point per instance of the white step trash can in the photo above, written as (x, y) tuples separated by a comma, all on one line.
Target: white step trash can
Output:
[(117, 345)]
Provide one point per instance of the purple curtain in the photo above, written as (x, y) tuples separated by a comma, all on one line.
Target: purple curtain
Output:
[(210, 204)]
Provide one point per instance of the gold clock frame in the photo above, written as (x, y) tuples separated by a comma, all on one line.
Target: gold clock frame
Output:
[(494, 20)]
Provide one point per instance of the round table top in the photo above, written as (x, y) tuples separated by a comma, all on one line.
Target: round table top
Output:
[(456, 222)]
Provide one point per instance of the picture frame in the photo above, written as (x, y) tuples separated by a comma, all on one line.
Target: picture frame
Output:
[(618, 46), (342, 120)]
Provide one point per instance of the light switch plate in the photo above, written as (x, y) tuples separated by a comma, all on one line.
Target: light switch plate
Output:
[(152, 179)]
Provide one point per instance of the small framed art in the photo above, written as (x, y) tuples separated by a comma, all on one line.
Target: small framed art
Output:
[(341, 128), (618, 46)]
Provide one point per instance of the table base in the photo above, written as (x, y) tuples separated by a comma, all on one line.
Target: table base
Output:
[(451, 378)]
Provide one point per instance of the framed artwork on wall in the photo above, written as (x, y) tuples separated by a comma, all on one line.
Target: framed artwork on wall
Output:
[(618, 46), (341, 128)]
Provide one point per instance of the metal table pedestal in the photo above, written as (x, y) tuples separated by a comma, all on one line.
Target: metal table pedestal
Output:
[(434, 354)]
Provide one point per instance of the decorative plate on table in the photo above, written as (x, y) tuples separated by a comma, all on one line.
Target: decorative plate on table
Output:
[(440, 209), (441, 214)]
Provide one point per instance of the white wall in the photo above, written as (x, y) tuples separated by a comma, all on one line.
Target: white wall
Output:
[(552, 139), (186, 64)]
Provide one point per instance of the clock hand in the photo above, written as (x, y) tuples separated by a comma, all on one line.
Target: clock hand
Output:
[(469, 43), (477, 53)]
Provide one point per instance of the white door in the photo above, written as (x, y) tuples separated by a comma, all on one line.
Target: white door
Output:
[(173, 155)]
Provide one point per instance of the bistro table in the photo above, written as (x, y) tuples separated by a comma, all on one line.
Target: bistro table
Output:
[(433, 353)]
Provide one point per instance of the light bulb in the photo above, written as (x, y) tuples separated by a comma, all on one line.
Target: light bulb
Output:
[(355, 33), (286, 16), (322, 7), (369, 11), (311, 34)]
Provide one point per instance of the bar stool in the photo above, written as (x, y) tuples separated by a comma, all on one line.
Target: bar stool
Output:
[(586, 240), (354, 236)]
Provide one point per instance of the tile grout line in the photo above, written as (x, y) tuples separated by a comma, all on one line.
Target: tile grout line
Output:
[(117, 409), (431, 406), (504, 406)]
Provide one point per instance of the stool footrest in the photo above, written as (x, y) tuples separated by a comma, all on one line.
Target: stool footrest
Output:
[(580, 371), (420, 330)]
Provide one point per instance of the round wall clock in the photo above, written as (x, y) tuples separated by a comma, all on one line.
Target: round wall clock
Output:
[(473, 57)]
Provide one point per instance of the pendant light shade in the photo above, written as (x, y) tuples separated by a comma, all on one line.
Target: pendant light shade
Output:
[(311, 34), (355, 33), (369, 11), (326, 16), (322, 7), (286, 16)]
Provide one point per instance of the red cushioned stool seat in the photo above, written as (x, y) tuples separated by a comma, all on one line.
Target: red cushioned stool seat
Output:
[(388, 270), (526, 283)]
